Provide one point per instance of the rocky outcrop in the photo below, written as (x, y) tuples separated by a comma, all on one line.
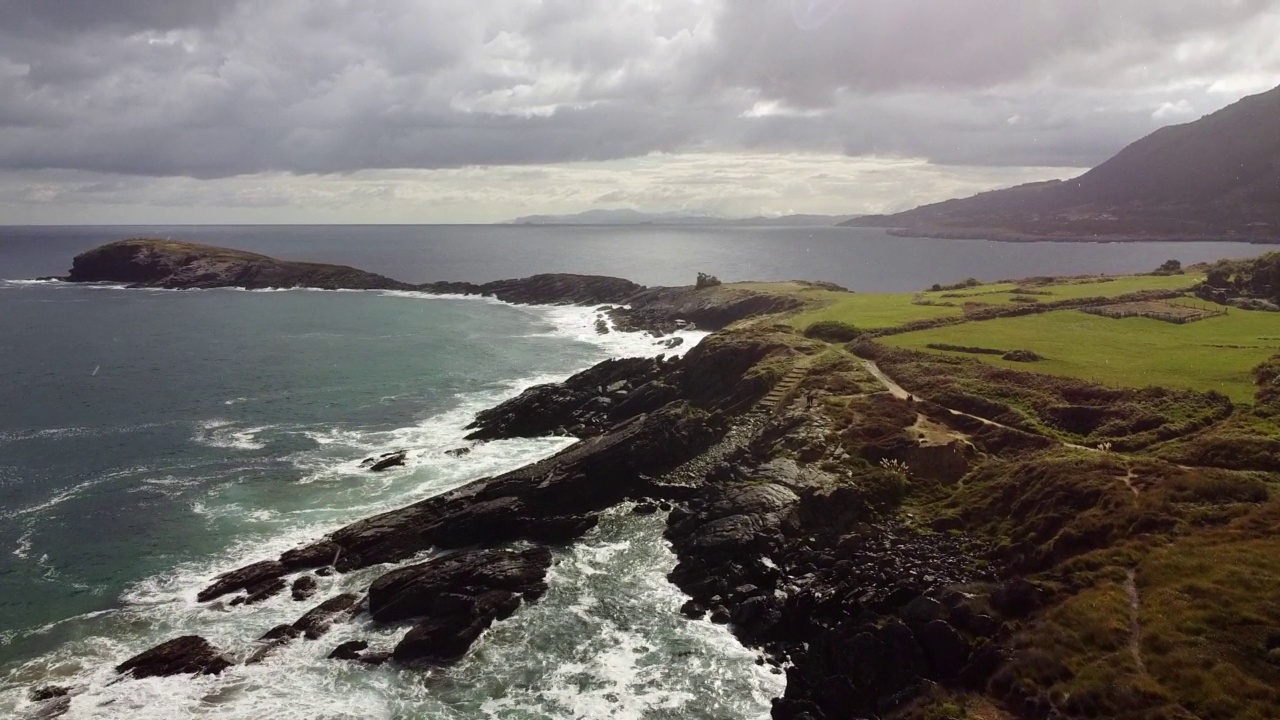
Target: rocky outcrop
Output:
[(455, 597), (385, 461), (187, 655), (803, 557), (545, 289), (584, 405), (148, 262), (662, 310), (250, 576)]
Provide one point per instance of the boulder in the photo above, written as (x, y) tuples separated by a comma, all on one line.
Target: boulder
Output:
[(187, 655), (436, 586), (303, 587), (242, 579), (47, 692), (349, 650), (389, 460), (445, 637), (264, 590), (318, 620), (945, 650)]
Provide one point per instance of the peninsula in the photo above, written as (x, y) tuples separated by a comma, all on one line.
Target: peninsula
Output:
[(1041, 498)]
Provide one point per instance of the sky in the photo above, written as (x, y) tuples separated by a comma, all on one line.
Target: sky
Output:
[(441, 111)]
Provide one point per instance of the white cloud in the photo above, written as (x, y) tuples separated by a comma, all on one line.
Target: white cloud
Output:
[(247, 93)]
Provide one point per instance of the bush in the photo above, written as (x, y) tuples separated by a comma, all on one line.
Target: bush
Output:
[(1024, 356), (832, 331), (706, 281), (964, 349), (1170, 267), (962, 285)]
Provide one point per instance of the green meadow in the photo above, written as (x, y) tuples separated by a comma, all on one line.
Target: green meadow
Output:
[(1212, 354)]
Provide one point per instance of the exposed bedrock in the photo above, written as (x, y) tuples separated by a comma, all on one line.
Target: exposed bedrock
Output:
[(713, 376), (455, 597), (803, 558), (187, 655), (661, 309)]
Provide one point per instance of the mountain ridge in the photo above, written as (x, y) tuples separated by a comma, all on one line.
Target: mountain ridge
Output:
[(1216, 178)]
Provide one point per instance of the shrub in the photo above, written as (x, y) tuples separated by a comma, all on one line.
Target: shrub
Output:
[(1170, 267), (1023, 356), (706, 281), (833, 331), (964, 349)]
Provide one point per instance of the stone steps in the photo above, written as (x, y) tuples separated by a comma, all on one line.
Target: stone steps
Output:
[(776, 397)]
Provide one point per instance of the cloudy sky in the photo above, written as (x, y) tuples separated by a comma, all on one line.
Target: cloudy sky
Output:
[(228, 111)]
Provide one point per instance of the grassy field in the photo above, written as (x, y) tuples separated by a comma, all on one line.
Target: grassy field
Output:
[(864, 310), (880, 310), (1003, 293), (1214, 354)]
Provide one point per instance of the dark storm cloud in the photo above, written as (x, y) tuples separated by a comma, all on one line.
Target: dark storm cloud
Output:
[(213, 89)]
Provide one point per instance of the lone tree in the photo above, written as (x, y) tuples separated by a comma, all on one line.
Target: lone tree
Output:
[(1170, 267), (705, 281)]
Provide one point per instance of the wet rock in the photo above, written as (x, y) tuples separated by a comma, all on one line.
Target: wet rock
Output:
[(436, 587), (50, 708), (303, 587), (47, 692), (281, 632), (349, 650), (242, 579), (187, 655), (388, 461), (590, 402), (374, 658), (446, 636), (554, 500), (318, 620), (264, 590), (645, 508), (693, 609), (458, 452)]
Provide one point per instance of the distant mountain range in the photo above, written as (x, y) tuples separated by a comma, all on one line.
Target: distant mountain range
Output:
[(635, 217), (1217, 178)]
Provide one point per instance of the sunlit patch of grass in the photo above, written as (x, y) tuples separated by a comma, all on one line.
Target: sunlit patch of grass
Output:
[(1213, 354)]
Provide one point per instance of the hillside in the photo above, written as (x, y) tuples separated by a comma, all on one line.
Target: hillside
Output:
[(1215, 178)]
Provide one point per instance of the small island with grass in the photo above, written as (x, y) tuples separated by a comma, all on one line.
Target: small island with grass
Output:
[(1053, 497)]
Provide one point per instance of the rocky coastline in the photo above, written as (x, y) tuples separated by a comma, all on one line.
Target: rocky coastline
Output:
[(893, 555), (175, 265)]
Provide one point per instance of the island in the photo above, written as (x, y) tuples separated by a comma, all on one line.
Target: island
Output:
[(1040, 498)]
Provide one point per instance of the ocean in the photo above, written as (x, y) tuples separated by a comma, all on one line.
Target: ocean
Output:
[(151, 439)]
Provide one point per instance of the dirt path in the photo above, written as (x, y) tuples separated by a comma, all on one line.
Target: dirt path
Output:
[(897, 391), (1128, 480), (1135, 626)]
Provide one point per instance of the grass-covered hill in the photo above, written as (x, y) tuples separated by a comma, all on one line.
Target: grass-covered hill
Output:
[(1215, 178), (1121, 501)]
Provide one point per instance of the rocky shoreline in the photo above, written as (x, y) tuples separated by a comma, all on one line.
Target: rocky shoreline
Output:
[(894, 555), (782, 530)]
